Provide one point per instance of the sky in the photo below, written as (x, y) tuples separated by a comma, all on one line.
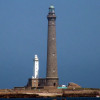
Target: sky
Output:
[(23, 33)]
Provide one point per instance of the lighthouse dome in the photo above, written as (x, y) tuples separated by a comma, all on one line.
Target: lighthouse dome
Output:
[(52, 7)]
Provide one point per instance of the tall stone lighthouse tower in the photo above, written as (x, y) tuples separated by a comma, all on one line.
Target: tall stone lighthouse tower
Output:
[(51, 75)]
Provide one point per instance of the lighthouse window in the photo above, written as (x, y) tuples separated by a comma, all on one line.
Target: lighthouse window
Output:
[(52, 23), (53, 38), (54, 70), (53, 54)]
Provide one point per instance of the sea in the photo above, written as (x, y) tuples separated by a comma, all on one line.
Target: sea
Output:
[(60, 98)]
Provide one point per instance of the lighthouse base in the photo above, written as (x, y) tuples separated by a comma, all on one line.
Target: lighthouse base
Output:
[(52, 81)]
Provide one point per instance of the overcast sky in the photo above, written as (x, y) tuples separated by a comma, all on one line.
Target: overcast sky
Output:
[(23, 33)]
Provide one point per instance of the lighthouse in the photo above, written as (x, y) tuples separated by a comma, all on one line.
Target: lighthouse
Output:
[(51, 74), (36, 67)]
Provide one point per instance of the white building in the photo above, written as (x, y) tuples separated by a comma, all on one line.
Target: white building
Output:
[(36, 67)]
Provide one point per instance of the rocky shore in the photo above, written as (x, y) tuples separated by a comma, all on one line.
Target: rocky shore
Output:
[(37, 93)]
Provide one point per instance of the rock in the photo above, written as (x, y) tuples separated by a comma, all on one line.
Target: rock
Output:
[(73, 85)]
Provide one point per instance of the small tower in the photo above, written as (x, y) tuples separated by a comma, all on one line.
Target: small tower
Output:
[(36, 67), (51, 74)]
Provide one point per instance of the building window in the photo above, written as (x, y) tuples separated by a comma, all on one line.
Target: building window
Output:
[(54, 70), (53, 54), (54, 84), (53, 38), (52, 22)]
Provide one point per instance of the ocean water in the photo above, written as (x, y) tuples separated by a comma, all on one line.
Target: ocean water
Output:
[(60, 98)]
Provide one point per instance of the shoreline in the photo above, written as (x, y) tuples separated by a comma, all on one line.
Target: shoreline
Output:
[(43, 93)]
